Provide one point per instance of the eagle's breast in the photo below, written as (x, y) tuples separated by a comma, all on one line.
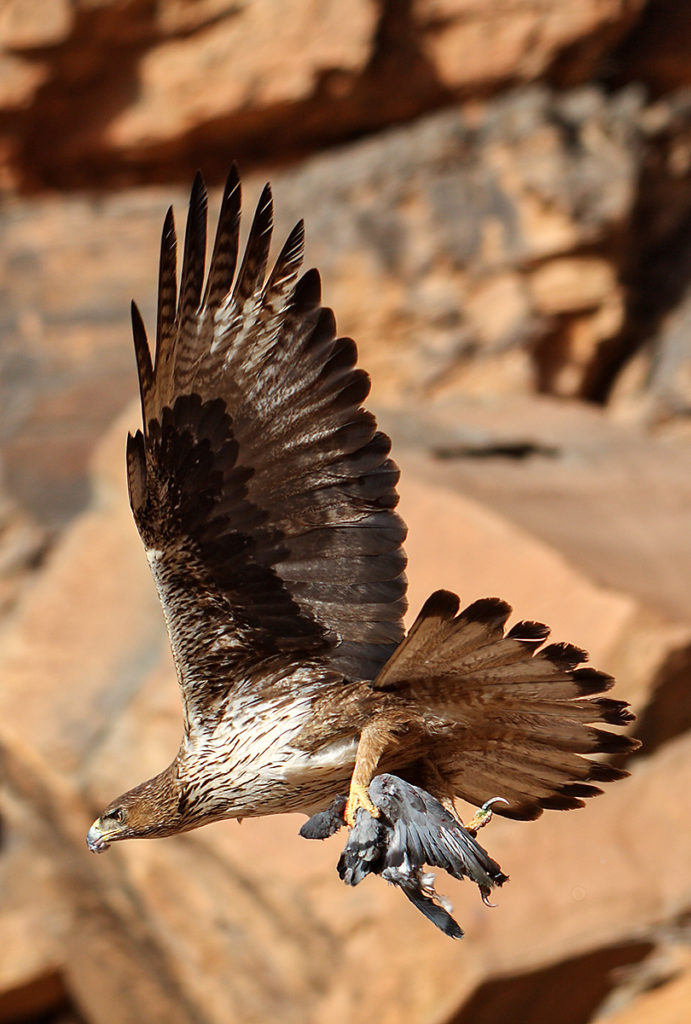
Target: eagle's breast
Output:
[(251, 761)]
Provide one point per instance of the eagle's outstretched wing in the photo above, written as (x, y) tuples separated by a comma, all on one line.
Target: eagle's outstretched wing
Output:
[(262, 490)]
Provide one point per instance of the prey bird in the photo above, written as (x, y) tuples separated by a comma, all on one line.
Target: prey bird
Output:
[(265, 497)]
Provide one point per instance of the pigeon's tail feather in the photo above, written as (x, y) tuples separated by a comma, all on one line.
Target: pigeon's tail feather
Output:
[(419, 888)]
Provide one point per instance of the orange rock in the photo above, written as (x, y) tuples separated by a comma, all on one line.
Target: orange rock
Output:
[(19, 81), (22, 543), (431, 273), (241, 62), (607, 496), (667, 1004), (570, 284), (477, 42), (133, 90), (29, 979), (89, 705), (28, 26)]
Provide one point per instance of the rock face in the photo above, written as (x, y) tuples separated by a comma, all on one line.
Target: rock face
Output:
[(477, 253), (181, 78), (497, 193), (23, 545), (161, 923)]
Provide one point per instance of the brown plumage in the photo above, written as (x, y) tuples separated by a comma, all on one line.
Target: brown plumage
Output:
[(265, 496)]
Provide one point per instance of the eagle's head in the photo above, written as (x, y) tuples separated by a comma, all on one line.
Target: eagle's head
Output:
[(154, 808)]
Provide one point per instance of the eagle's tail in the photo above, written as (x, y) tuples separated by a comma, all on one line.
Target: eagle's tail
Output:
[(504, 717)]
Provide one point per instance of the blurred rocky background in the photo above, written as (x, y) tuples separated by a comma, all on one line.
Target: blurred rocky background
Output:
[(498, 194)]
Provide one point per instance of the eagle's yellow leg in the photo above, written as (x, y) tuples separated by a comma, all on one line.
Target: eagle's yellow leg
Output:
[(374, 740), (358, 797), (483, 815), (479, 820)]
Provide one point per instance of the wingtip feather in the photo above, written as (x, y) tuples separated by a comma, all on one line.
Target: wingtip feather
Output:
[(307, 294), (143, 358)]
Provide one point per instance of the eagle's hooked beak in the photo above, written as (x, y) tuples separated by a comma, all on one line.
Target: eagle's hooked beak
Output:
[(96, 839)]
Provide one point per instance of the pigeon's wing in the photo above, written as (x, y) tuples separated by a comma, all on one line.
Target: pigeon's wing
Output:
[(262, 490)]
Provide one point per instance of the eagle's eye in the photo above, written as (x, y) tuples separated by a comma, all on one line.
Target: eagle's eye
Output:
[(118, 815)]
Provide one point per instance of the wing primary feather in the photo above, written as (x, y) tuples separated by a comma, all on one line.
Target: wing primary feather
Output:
[(603, 742), (136, 471), (167, 293), (308, 292), (287, 264), (143, 357), (225, 251), (194, 255), (253, 268), (191, 341)]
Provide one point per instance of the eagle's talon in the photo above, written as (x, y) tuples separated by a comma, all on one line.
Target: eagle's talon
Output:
[(357, 798), (484, 815), (484, 896)]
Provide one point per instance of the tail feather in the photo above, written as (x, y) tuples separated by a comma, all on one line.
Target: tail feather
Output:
[(506, 718)]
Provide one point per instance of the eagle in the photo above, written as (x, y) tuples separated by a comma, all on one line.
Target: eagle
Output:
[(265, 497)]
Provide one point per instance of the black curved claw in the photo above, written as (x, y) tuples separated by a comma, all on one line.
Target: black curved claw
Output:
[(484, 896)]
